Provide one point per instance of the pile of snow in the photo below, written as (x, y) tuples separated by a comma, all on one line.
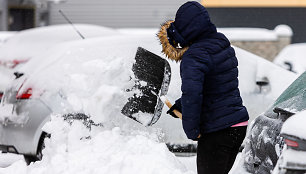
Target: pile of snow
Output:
[(293, 58), (75, 149), (256, 34)]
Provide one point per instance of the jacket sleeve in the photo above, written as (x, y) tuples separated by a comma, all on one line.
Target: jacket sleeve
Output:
[(193, 69), (178, 104)]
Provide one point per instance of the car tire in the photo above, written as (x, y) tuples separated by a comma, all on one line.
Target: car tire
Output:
[(41, 145)]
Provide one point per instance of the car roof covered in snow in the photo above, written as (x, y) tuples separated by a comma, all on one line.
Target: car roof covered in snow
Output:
[(28, 43)]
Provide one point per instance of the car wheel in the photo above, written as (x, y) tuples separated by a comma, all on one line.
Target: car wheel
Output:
[(41, 145)]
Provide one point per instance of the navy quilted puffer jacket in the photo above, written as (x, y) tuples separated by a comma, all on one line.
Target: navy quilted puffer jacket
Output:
[(210, 99)]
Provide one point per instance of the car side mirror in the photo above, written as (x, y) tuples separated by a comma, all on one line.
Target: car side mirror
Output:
[(18, 75), (282, 113), (262, 83)]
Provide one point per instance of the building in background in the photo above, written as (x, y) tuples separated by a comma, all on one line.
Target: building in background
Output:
[(260, 14), (16, 15)]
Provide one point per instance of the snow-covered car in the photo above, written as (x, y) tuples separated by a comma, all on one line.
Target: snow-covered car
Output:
[(263, 144), (292, 58), (24, 45), (74, 77), (293, 158), (83, 76)]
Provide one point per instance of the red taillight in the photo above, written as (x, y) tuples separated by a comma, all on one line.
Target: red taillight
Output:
[(291, 143), (1, 95), (25, 95), (13, 63)]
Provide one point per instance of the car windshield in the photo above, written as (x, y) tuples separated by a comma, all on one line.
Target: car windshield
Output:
[(293, 99)]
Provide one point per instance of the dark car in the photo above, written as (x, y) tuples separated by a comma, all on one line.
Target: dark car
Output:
[(263, 144)]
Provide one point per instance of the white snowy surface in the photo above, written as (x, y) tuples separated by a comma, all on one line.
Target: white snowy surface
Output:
[(138, 31), (289, 157), (293, 156), (233, 34), (74, 149), (6, 77), (26, 44), (294, 54), (248, 34), (256, 34), (283, 30), (4, 35), (295, 125), (253, 68)]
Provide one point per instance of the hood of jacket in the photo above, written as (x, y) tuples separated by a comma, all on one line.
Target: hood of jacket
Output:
[(192, 22)]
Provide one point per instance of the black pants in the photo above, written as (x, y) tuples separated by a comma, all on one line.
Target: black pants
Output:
[(217, 151)]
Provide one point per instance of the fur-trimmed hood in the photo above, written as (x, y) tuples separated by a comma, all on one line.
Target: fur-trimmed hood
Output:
[(192, 23), (170, 51)]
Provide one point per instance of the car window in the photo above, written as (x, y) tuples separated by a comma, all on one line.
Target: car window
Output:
[(293, 99)]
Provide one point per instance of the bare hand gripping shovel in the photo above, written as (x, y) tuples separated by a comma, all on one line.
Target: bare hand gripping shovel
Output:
[(153, 75)]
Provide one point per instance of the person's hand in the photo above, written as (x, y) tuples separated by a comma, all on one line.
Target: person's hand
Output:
[(199, 136), (170, 111)]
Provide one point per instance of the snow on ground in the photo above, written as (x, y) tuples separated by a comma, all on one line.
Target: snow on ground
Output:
[(75, 149), (293, 54)]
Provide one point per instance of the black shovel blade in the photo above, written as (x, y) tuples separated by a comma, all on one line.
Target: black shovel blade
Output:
[(153, 75)]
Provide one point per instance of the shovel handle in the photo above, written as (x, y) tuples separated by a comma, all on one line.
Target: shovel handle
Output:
[(176, 112)]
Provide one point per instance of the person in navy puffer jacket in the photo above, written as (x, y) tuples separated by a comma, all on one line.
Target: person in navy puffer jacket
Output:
[(211, 105)]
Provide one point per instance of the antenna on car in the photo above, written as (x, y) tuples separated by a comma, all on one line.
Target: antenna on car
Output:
[(62, 13)]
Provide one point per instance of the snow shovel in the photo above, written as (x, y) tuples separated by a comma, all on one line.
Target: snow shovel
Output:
[(152, 74)]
